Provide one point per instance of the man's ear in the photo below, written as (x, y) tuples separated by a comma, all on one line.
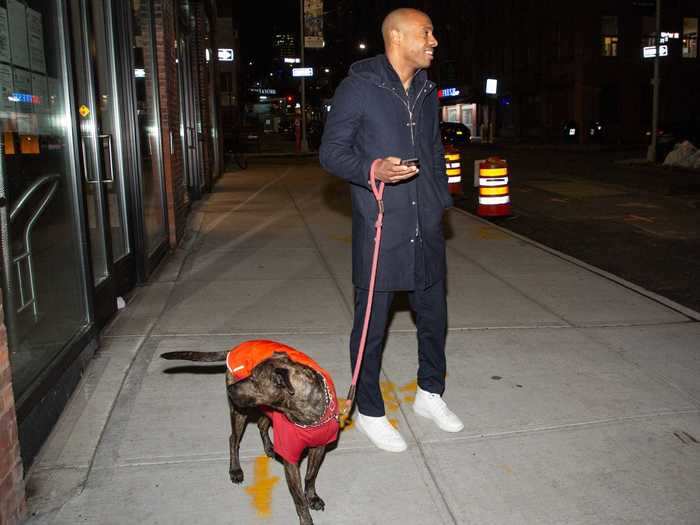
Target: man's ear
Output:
[(280, 377)]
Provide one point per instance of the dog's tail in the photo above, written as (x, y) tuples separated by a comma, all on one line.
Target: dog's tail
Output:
[(207, 357)]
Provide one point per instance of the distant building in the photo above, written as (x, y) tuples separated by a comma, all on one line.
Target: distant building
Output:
[(560, 63), (285, 45)]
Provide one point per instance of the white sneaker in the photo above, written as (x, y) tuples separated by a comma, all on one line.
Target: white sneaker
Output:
[(433, 407), (381, 433)]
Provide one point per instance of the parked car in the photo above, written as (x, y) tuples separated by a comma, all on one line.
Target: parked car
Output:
[(455, 133)]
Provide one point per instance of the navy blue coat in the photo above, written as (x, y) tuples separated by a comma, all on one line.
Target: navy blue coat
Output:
[(372, 117)]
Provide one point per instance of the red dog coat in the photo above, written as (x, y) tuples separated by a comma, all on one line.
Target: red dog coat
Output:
[(290, 439)]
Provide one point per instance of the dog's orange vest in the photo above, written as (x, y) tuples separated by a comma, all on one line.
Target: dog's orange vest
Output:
[(290, 439)]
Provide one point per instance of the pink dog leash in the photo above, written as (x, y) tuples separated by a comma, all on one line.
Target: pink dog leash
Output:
[(378, 193)]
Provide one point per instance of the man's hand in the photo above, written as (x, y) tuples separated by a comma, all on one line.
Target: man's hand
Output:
[(390, 170)]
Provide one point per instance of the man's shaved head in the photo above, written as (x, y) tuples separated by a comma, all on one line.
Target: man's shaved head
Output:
[(397, 21), (408, 40)]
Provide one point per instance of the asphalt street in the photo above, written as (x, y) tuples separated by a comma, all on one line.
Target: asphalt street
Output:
[(638, 222)]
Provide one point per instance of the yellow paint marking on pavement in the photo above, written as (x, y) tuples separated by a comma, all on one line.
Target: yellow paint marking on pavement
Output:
[(261, 489), (391, 401), (409, 387), (392, 397), (409, 391)]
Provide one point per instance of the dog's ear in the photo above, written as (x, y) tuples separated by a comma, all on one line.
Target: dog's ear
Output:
[(280, 377)]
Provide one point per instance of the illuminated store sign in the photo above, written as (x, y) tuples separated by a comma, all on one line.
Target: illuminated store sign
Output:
[(491, 86), (448, 92), (650, 51), (225, 55), (302, 72)]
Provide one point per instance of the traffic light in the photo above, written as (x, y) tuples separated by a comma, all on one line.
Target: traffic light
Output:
[(290, 99)]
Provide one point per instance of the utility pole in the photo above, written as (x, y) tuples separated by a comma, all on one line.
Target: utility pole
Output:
[(304, 144), (651, 152)]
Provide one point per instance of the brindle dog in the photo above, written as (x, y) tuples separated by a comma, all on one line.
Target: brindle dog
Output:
[(280, 384)]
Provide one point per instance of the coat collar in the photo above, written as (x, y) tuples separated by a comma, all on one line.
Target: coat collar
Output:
[(380, 72)]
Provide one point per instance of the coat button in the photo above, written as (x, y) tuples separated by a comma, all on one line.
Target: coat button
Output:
[(412, 241), (413, 203)]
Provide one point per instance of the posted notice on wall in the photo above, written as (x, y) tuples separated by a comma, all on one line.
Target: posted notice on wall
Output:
[(5, 55), (35, 29), (18, 33), (23, 86), (6, 84)]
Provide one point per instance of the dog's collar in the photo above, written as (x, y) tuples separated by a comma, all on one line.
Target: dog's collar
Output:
[(331, 411)]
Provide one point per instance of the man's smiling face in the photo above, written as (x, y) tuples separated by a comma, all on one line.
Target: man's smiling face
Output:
[(417, 41)]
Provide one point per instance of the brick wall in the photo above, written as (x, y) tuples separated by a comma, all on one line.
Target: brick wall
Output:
[(173, 162), (12, 502)]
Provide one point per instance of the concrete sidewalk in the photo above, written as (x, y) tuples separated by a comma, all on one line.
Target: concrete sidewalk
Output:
[(580, 395)]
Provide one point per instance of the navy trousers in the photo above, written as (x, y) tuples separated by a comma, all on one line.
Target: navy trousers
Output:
[(429, 305)]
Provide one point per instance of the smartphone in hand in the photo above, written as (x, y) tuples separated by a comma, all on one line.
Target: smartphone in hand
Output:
[(410, 162)]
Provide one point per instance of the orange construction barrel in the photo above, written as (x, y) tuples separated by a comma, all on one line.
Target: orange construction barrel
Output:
[(453, 170), (494, 196)]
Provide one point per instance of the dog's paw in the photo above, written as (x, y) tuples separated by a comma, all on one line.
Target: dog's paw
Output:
[(236, 475), (316, 503)]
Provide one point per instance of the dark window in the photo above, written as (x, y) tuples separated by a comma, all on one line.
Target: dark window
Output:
[(648, 31), (690, 38)]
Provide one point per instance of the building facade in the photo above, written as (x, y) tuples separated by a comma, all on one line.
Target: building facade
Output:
[(561, 65), (109, 133)]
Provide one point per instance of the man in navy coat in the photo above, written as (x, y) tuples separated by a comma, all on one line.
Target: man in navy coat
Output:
[(384, 111)]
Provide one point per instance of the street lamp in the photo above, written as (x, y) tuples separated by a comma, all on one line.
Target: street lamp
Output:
[(362, 46), (326, 70)]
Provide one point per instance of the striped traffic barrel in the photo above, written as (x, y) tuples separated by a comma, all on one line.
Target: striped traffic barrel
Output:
[(494, 197), (453, 169)]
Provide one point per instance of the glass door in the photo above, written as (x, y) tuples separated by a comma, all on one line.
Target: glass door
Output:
[(188, 115), (99, 128), (46, 304), (148, 132)]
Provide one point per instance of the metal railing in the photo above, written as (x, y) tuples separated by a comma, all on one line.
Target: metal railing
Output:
[(30, 299)]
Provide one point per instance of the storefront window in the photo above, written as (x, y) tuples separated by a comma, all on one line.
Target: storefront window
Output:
[(43, 270), (690, 38), (609, 36), (148, 124)]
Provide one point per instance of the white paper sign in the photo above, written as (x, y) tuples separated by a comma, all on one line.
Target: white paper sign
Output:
[(6, 89), (36, 41), (18, 33), (23, 87), (5, 55)]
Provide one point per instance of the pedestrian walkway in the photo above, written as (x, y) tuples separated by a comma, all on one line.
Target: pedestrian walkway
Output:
[(580, 395)]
